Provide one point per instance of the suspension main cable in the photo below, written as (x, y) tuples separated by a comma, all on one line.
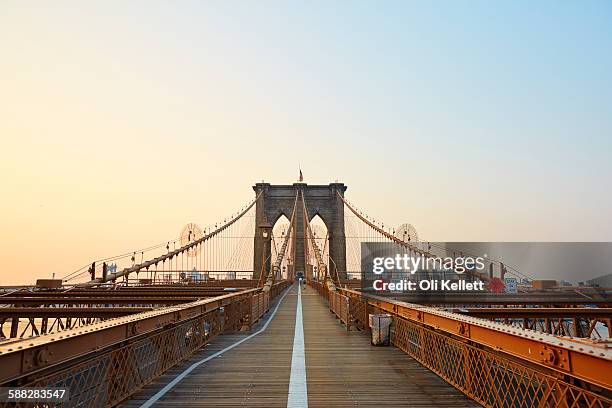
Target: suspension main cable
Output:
[(170, 255), (423, 252)]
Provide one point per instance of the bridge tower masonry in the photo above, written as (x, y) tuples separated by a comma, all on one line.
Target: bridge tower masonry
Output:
[(321, 200)]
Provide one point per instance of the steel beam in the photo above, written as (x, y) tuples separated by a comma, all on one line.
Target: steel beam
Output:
[(548, 299), (536, 312), (29, 355), (61, 312), (581, 359)]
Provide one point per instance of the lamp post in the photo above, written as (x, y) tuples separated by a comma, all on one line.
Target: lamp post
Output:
[(266, 233)]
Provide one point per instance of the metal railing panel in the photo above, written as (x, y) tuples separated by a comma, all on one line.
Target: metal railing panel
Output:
[(107, 362), (450, 346)]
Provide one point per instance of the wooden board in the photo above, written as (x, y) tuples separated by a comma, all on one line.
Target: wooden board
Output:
[(343, 369)]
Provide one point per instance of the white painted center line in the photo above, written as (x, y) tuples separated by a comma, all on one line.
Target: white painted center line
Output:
[(298, 390)]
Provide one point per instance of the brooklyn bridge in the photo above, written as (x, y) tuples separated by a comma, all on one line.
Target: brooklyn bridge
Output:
[(266, 308)]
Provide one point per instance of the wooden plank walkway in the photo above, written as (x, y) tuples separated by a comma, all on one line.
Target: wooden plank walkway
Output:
[(253, 374), (345, 370), (342, 368)]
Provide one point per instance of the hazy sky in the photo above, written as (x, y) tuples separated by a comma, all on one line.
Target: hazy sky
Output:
[(122, 121)]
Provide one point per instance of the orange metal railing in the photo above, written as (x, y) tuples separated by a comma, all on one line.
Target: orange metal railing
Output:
[(494, 364), (339, 304), (259, 306), (105, 363)]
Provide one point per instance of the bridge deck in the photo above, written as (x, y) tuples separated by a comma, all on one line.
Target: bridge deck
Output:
[(342, 368)]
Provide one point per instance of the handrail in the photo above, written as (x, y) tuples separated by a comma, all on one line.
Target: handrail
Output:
[(492, 363), (564, 355), (27, 356)]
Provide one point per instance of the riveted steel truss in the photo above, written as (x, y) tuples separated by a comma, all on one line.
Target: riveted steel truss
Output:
[(495, 364)]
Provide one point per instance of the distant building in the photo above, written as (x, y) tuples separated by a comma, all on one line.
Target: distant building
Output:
[(602, 282), (511, 285)]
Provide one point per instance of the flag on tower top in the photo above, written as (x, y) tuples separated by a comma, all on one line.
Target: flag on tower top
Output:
[(301, 176)]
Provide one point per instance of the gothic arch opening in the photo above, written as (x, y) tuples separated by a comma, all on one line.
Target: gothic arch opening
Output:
[(273, 200), (321, 238), (279, 231)]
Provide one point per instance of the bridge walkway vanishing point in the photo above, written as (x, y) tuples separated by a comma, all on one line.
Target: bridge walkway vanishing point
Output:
[(342, 368)]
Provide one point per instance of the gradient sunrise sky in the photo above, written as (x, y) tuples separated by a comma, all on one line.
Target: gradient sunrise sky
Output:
[(476, 120)]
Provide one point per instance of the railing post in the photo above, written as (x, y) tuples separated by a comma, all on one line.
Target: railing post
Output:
[(347, 314), (467, 370)]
